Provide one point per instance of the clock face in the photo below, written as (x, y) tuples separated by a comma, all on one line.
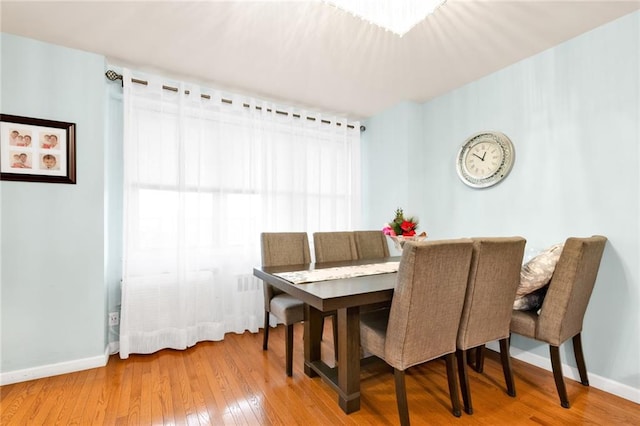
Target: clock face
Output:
[(485, 159)]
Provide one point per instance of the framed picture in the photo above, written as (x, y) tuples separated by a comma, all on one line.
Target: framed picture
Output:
[(36, 150)]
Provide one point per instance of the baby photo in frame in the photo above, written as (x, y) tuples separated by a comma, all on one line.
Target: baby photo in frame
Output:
[(37, 150)]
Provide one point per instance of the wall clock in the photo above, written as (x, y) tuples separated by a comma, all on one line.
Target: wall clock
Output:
[(485, 159)]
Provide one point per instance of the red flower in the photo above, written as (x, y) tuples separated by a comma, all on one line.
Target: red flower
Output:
[(407, 226)]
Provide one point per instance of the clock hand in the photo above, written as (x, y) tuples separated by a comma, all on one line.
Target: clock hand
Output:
[(485, 153), (481, 158)]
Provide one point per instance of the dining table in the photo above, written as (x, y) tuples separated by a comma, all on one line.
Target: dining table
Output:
[(344, 287)]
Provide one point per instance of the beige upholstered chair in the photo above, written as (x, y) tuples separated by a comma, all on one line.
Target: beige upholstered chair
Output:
[(334, 246), (564, 306), (423, 321), (491, 289), (279, 249), (371, 244)]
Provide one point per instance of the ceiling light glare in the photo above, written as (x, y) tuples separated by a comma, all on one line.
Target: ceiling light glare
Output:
[(397, 16)]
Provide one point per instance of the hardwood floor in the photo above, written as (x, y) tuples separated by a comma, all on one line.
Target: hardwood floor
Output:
[(235, 382)]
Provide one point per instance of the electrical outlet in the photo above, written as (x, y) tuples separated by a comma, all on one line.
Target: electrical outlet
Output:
[(114, 318)]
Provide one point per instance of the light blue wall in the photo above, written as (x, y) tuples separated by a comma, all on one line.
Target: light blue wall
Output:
[(53, 296), (573, 114), (387, 159), (114, 174)]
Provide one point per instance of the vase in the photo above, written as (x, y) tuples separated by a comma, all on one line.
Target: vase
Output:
[(399, 240)]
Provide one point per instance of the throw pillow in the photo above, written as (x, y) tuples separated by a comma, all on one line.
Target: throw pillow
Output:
[(537, 272), (532, 301)]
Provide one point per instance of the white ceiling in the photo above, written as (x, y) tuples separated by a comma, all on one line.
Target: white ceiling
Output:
[(308, 53)]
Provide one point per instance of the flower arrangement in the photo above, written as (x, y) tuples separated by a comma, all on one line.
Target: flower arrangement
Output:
[(402, 229), (401, 225)]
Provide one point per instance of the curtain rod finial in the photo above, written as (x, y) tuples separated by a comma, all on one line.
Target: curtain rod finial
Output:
[(113, 76)]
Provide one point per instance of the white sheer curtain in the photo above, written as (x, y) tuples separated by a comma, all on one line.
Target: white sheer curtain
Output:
[(202, 178)]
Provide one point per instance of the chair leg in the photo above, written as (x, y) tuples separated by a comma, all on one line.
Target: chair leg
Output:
[(479, 367), (401, 397), (265, 340), (461, 356), (470, 356), (556, 366), (453, 384), (289, 350), (582, 367), (506, 366)]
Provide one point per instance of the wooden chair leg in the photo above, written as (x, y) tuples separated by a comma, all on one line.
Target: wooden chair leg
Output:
[(401, 397), (582, 367), (479, 367), (470, 356), (453, 384), (265, 340), (506, 366), (461, 356), (556, 366), (289, 350)]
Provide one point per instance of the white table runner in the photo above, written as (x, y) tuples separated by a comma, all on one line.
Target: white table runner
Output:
[(340, 272)]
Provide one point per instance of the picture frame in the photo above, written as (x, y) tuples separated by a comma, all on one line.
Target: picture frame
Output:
[(37, 150)]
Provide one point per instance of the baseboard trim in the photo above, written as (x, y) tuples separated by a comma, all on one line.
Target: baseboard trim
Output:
[(598, 382), (26, 374)]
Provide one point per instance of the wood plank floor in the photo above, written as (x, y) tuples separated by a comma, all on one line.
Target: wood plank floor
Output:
[(234, 382)]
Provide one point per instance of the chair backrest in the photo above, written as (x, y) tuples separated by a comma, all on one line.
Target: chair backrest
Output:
[(427, 301), (570, 289), (284, 248), (493, 279), (371, 244), (281, 249), (334, 246)]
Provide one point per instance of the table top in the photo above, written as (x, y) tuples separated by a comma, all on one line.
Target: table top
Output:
[(334, 294)]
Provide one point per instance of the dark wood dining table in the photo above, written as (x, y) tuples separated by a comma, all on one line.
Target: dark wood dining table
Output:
[(346, 296)]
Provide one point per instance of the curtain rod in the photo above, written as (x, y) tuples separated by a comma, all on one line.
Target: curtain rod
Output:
[(113, 76)]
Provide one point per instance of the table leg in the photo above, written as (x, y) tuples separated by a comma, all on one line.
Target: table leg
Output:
[(312, 338), (349, 359)]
